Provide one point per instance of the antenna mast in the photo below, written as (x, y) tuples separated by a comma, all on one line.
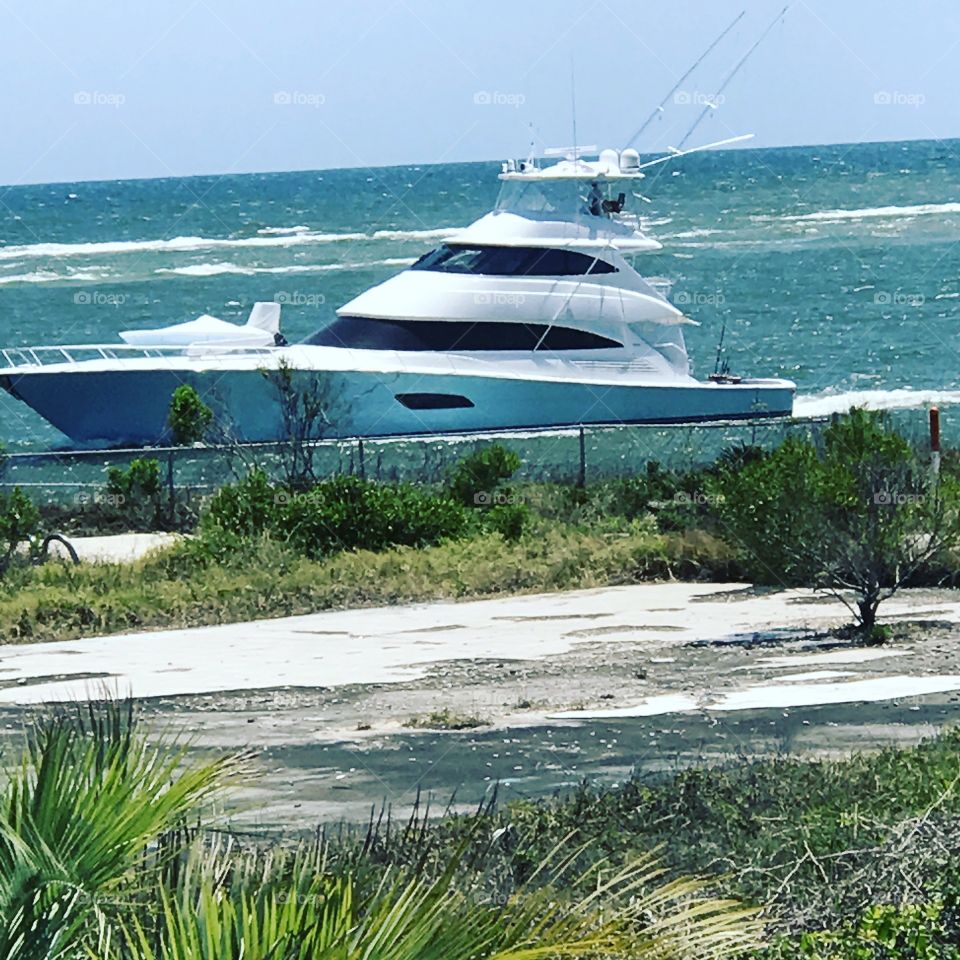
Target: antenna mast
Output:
[(573, 106)]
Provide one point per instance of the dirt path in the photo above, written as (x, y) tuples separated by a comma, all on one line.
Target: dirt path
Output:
[(588, 683)]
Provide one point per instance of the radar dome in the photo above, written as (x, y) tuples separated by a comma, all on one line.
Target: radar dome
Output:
[(609, 161), (629, 161)]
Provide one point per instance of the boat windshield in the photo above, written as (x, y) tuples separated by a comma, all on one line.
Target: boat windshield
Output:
[(562, 199), (496, 261)]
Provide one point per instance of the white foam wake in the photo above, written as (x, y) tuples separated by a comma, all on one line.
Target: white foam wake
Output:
[(825, 404)]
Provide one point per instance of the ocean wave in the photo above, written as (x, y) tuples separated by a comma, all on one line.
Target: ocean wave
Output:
[(173, 245), (825, 404), (207, 269), (281, 231), (213, 269), (865, 213), (278, 237), (415, 234), (691, 234), (49, 276)]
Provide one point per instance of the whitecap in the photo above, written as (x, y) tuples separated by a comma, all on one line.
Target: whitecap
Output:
[(175, 245), (865, 213)]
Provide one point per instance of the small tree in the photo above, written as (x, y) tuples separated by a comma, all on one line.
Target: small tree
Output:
[(478, 475), (136, 493), (858, 514), (19, 523), (305, 399), (189, 417)]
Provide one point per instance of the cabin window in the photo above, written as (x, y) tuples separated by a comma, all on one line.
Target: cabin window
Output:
[(366, 333), (511, 261)]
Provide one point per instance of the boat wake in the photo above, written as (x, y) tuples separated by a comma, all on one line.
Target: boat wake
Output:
[(826, 403)]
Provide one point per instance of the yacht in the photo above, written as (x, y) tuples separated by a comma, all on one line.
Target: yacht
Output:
[(533, 317)]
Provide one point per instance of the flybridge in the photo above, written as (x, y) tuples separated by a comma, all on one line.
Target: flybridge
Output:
[(610, 164)]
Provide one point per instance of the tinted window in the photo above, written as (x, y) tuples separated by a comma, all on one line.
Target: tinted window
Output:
[(511, 261), (365, 333)]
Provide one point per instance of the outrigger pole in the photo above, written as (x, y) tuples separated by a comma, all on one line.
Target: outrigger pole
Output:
[(731, 75), (703, 56)]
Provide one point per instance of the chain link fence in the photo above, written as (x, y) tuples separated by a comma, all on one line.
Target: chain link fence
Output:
[(574, 455)]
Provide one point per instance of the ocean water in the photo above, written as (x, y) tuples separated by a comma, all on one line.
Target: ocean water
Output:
[(836, 266)]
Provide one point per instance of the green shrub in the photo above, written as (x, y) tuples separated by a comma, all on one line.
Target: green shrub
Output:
[(19, 523), (342, 513), (189, 417), (858, 513), (347, 513), (136, 493), (475, 478), (883, 932), (509, 519)]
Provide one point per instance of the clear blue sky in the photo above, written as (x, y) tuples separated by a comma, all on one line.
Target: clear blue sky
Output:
[(113, 89)]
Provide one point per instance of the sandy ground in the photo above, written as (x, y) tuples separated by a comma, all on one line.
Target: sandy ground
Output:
[(592, 683), (115, 548)]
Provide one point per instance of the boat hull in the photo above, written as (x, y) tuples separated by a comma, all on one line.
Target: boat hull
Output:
[(129, 406)]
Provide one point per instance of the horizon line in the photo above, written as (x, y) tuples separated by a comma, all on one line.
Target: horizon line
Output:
[(395, 166)]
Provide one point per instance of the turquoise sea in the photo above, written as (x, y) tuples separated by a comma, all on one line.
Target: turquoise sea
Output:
[(836, 266)]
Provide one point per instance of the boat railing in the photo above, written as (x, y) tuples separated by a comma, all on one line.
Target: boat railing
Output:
[(77, 353)]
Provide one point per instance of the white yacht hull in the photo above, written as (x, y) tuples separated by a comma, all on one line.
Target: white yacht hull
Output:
[(97, 403)]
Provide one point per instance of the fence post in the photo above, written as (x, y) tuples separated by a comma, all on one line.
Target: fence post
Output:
[(170, 486), (582, 478), (362, 462), (935, 442)]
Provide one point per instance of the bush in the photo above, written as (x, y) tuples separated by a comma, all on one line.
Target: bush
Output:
[(342, 513), (475, 478), (859, 513), (883, 932), (347, 513), (19, 523), (136, 493), (189, 417), (510, 520)]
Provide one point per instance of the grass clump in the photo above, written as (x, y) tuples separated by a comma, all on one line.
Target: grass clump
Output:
[(446, 719)]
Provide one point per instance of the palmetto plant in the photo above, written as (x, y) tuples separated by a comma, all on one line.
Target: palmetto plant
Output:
[(295, 911), (80, 813), (93, 865)]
